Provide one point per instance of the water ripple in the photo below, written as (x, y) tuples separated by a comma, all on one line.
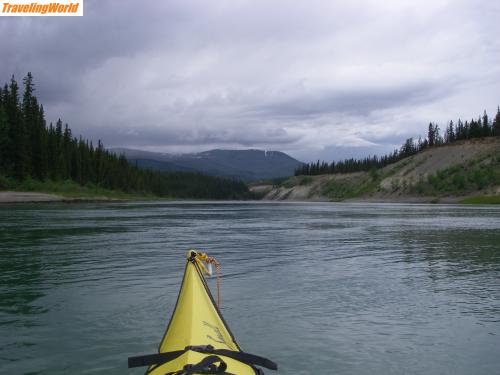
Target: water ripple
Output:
[(349, 288)]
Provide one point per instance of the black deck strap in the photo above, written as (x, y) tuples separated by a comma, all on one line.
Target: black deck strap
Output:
[(161, 358), (249, 359), (206, 366), (154, 359)]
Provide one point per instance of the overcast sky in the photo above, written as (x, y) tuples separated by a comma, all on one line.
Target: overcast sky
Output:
[(316, 79)]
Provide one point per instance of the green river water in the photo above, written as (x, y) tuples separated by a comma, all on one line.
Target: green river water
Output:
[(320, 288)]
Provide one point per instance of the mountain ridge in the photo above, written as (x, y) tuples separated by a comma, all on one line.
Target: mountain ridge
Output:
[(246, 164)]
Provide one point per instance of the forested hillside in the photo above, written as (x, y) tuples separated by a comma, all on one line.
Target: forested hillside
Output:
[(463, 164), (31, 149), (462, 171)]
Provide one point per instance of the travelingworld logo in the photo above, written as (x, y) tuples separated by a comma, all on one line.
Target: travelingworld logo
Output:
[(20, 8)]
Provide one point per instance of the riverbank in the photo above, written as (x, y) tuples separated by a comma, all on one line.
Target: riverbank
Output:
[(28, 197), (466, 171), (33, 191), (34, 197)]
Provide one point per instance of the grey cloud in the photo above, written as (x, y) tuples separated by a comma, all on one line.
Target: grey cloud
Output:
[(315, 79), (357, 101), (157, 137)]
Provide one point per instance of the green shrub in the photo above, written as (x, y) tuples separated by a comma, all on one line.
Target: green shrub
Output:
[(485, 199), (6, 183), (306, 180), (459, 181)]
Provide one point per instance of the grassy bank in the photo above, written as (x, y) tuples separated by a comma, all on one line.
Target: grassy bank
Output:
[(485, 199), (467, 171), (461, 179)]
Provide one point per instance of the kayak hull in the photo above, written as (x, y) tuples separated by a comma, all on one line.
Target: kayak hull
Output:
[(196, 321)]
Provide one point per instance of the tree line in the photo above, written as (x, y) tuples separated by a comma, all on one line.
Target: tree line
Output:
[(31, 149), (476, 128)]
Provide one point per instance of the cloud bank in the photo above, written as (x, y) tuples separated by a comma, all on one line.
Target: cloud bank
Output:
[(316, 79)]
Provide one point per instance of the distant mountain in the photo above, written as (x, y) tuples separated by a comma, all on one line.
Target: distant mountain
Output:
[(247, 165)]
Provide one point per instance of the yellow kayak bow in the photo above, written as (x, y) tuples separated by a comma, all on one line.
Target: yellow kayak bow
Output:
[(197, 339)]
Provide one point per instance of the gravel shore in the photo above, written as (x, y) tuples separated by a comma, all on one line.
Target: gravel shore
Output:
[(28, 197)]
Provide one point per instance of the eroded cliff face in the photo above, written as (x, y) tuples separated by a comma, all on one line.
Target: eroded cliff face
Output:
[(446, 173)]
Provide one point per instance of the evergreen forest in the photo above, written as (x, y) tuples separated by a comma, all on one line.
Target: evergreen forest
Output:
[(32, 150)]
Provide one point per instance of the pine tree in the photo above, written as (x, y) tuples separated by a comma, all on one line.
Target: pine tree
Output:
[(486, 126), (475, 129), (19, 141), (437, 138), (459, 130), (431, 135), (40, 141), (29, 118), (450, 133), (5, 167), (496, 123), (51, 152), (61, 161)]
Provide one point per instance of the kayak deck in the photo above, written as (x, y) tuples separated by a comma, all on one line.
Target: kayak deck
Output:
[(196, 320), (197, 339)]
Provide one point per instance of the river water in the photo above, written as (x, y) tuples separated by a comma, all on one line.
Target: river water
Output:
[(319, 288)]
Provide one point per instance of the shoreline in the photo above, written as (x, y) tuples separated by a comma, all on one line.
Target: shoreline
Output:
[(18, 197), (409, 200), (8, 197), (405, 200)]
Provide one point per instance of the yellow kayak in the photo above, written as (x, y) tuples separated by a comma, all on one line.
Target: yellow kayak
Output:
[(197, 339)]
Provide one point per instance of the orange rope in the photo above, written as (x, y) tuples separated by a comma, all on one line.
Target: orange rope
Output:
[(218, 274)]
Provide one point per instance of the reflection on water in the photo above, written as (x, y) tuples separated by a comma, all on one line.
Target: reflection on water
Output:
[(320, 288)]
